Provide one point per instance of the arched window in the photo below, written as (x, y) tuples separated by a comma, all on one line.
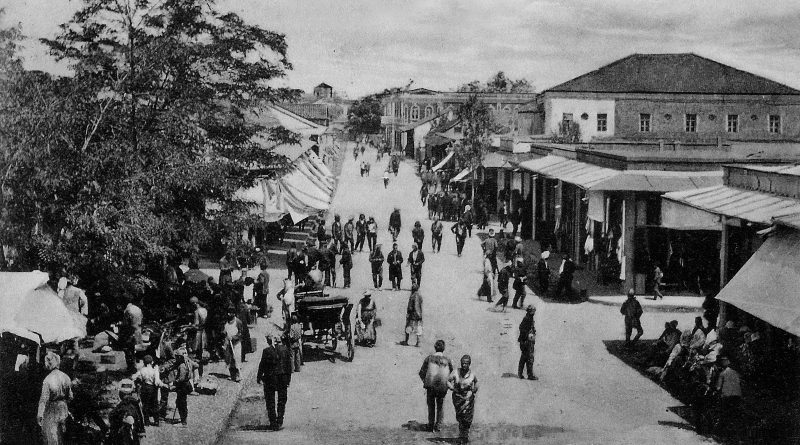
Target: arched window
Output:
[(428, 111), (415, 113)]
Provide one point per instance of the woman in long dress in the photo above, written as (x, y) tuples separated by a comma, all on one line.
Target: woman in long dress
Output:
[(56, 394), (365, 320), (464, 385)]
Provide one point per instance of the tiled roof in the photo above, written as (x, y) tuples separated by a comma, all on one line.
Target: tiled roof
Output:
[(671, 73)]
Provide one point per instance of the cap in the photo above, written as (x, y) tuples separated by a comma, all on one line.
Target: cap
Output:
[(545, 254), (194, 300), (530, 308)]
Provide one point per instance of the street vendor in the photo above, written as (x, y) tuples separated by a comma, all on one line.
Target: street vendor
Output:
[(126, 420)]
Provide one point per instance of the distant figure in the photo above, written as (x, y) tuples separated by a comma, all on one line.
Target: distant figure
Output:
[(503, 278), (394, 224), (423, 193), (386, 179), (490, 250), (527, 343), (502, 214), (464, 385), (657, 277), (632, 310), (520, 285), (361, 233), (543, 273), (413, 315), (395, 261), (365, 320), (347, 264), (348, 235), (415, 260), (565, 277), (376, 260), (459, 229), (435, 373), (275, 372), (372, 233), (418, 234), (436, 235)]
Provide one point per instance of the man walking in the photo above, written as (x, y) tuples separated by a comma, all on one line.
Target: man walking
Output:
[(395, 261), (520, 286), (434, 373), (565, 278), (348, 233), (347, 263), (413, 315), (415, 260), (502, 285), (361, 233), (632, 310), (418, 234), (275, 372), (436, 235), (490, 250), (527, 342), (459, 229), (336, 231)]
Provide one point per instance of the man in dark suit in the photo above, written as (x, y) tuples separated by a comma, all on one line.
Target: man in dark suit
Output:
[(275, 372), (415, 260), (395, 261)]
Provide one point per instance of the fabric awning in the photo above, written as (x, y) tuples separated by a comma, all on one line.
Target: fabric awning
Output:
[(658, 181), (441, 164), (678, 216), (733, 202), (463, 175), (539, 165), (766, 286), (579, 173), (30, 305), (496, 160)]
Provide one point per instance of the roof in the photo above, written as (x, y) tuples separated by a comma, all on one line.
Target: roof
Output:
[(445, 125), (660, 181), (574, 172), (435, 139), (323, 85), (671, 73), (733, 202), (496, 160), (275, 115), (766, 286), (314, 111), (793, 170)]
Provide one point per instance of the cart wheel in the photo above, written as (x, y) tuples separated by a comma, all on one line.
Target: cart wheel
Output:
[(351, 345)]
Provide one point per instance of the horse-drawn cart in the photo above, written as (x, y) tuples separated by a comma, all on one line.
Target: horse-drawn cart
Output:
[(326, 320)]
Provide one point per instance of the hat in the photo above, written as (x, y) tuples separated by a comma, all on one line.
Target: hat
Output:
[(517, 239), (530, 309), (126, 386), (467, 207), (367, 293), (545, 254), (491, 231), (194, 300)]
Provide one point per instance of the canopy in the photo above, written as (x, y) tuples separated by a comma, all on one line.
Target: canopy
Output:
[(496, 160), (462, 176), (441, 164), (29, 305), (766, 286), (734, 202), (659, 181)]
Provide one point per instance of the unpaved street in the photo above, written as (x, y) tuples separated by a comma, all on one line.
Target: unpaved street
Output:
[(583, 395)]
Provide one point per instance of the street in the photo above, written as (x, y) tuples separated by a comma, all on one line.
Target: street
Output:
[(583, 395)]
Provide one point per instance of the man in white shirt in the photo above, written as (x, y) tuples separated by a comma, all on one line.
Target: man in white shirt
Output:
[(75, 298)]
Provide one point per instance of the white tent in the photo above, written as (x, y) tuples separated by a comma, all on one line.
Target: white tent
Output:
[(30, 307)]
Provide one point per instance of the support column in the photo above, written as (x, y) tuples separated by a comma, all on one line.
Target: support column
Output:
[(628, 231), (723, 252), (576, 226), (533, 206)]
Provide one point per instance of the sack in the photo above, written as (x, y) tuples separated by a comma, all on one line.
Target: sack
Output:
[(208, 386), (437, 375), (253, 345)]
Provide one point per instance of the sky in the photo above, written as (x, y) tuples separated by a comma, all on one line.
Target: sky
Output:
[(363, 46)]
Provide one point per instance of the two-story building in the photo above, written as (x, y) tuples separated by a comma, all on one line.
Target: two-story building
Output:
[(682, 97)]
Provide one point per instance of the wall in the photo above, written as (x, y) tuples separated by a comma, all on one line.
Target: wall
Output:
[(556, 107), (711, 117)]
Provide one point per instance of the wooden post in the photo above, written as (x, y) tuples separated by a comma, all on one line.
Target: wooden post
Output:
[(628, 231), (533, 206), (723, 252)]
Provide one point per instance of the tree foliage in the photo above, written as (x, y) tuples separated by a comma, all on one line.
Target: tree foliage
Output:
[(364, 116), (476, 123), (113, 166), (499, 83)]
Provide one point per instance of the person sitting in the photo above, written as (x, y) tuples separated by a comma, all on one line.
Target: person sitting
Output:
[(666, 341)]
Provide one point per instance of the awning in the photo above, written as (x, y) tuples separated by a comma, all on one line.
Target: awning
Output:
[(30, 305), (659, 181), (496, 160), (443, 161), (464, 175), (675, 215), (435, 139), (733, 202), (766, 286), (579, 173)]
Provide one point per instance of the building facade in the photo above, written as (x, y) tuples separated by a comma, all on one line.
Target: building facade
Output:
[(323, 90)]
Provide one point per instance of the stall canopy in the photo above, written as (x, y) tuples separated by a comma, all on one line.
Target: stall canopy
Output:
[(766, 286), (496, 160), (30, 307), (444, 161), (463, 175)]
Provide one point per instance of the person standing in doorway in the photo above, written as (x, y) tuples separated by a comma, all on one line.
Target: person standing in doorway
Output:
[(395, 261), (413, 315), (632, 310), (275, 372), (464, 385), (435, 373), (415, 260), (436, 235), (515, 217), (657, 277), (527, 343)]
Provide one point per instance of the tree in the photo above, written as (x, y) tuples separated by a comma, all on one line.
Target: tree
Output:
[(476, 121), (498, 83), (364, 116), (112, 167)]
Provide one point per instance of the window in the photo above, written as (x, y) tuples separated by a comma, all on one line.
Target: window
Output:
[(644, 122), (602, 122), (414, 113), (774, 124), (428, 111), (690, 123), (733, 123)]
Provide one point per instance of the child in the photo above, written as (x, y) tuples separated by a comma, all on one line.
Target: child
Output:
[(347, 264), (296, 342)]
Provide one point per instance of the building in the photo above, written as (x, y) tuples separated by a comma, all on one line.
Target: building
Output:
[(682, 97), (319, 113), (404, 109), (323, 90)]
